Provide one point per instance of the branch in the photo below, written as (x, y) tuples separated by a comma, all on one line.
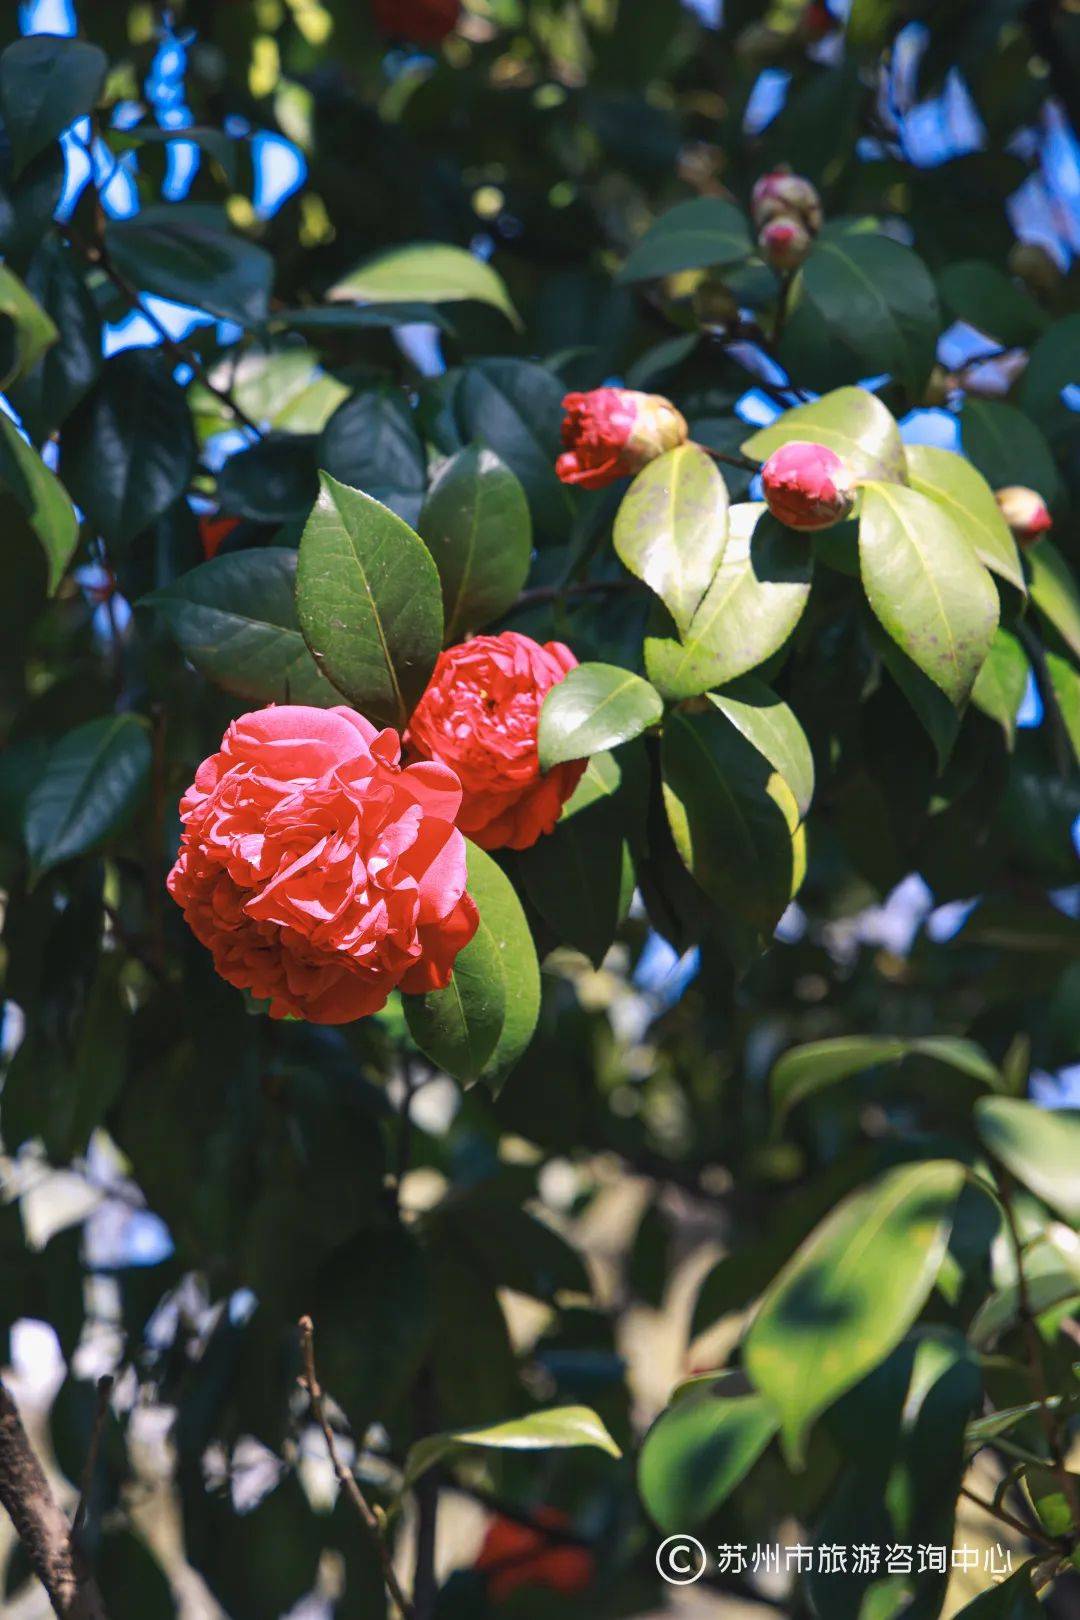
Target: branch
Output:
[(41, 1524), (86, 1484), (1005, 1517), (367, 1515), (743, 463), (584, 587)]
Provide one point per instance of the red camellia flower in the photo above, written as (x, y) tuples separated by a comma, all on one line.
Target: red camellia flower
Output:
[(612, 433), (319, 873), (516, 1555), (1025, 511), (213, 530), (424, 22), (480, 716), (807, 486)]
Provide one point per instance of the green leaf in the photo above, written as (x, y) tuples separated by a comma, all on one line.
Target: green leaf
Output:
[(733, 818), (875, 299), (671, 528), (51, 389), (39, 498), (926, 586), (852, 422), (1008, 447), (370, 443), (1051, 1505), (479, 1026), (1053, 365), (850, 1293), (91, 784), (755, 710), (515, 408), (369, 602), (1002, 681), (1055, 593), (962, 491), (691, 236), (596, 706), (559, 1429), (128, 450), (935, 713), (1002, 1310), (235, 619), (476, 524), (1065, 691), (806, 1070), (45, 84), (32, 331), (185, 251), (1040, 1146), (699, 1450), (984, 296), (1014, 1599), (275, 480), (426, 273), (756, 599), (27, 204)]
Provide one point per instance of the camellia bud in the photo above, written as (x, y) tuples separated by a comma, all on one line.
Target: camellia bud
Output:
[(781, 194), (784, 243), (1025, 511), (807, 486), (612, 433)]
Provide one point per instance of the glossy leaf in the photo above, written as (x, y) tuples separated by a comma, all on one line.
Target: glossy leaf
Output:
[(1040, 1146), (370, 443), (185, 251), (515, 408), (940, 720), (671, 528), (476, 524), (275, 480), (962, 491), (596, 706), (128, 450), (1014, 1599), (852, 422), (426, 273), (690, 236), (806, 1070), (1065, 690), (369, 602), (479, 1026), (1001, 683), (1055, 592), (45, 84), (755, 710), (1008, 447), (51, 389), (90, 785), (235, 619), (26, 330), (698, 1451), (39, 499), (559, 1429), (926, 586), (850, 1293), (984, 296), (756, 599)]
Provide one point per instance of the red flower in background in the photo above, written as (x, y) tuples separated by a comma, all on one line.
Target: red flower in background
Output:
[(516, 1555), (213, 530), (612, 433), (319, 873), (424, 22), (480, 716)]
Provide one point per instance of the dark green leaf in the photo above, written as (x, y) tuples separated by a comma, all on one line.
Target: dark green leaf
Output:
[(27, 204), (45, 84), (690, 236), (1014, 1599), (699, 1450), (983, 295), (596, 706), (927, 587), (806, 1070), (1055, 592), (515, 408), (369, 602), (235, 619), (47, 395), (1040, 1146), (370, 443), (128, 450), (186, 252), (39, 499), (89, 788), (1053, 365), (852, 422), (1007, 447), (476, 524), (671, 528), (274, 481), (963, 492), (851, 1292), (756, 711), (1002, 681), (934, 710)]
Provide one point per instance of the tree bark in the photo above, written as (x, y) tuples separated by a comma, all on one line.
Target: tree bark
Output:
[(41, 1524)]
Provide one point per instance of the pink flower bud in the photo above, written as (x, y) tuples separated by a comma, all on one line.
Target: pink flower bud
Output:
[(612, 433), (784, 243), (1025, 511), (782, 194), (807, 486)]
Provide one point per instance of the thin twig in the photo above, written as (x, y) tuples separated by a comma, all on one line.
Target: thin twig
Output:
[(582, 587), (743, 463), (86, 1484), (1008, 1518), (345, 1477), (179, 351)]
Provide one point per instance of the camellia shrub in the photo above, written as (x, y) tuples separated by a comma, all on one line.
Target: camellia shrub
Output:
[(540, 686)]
